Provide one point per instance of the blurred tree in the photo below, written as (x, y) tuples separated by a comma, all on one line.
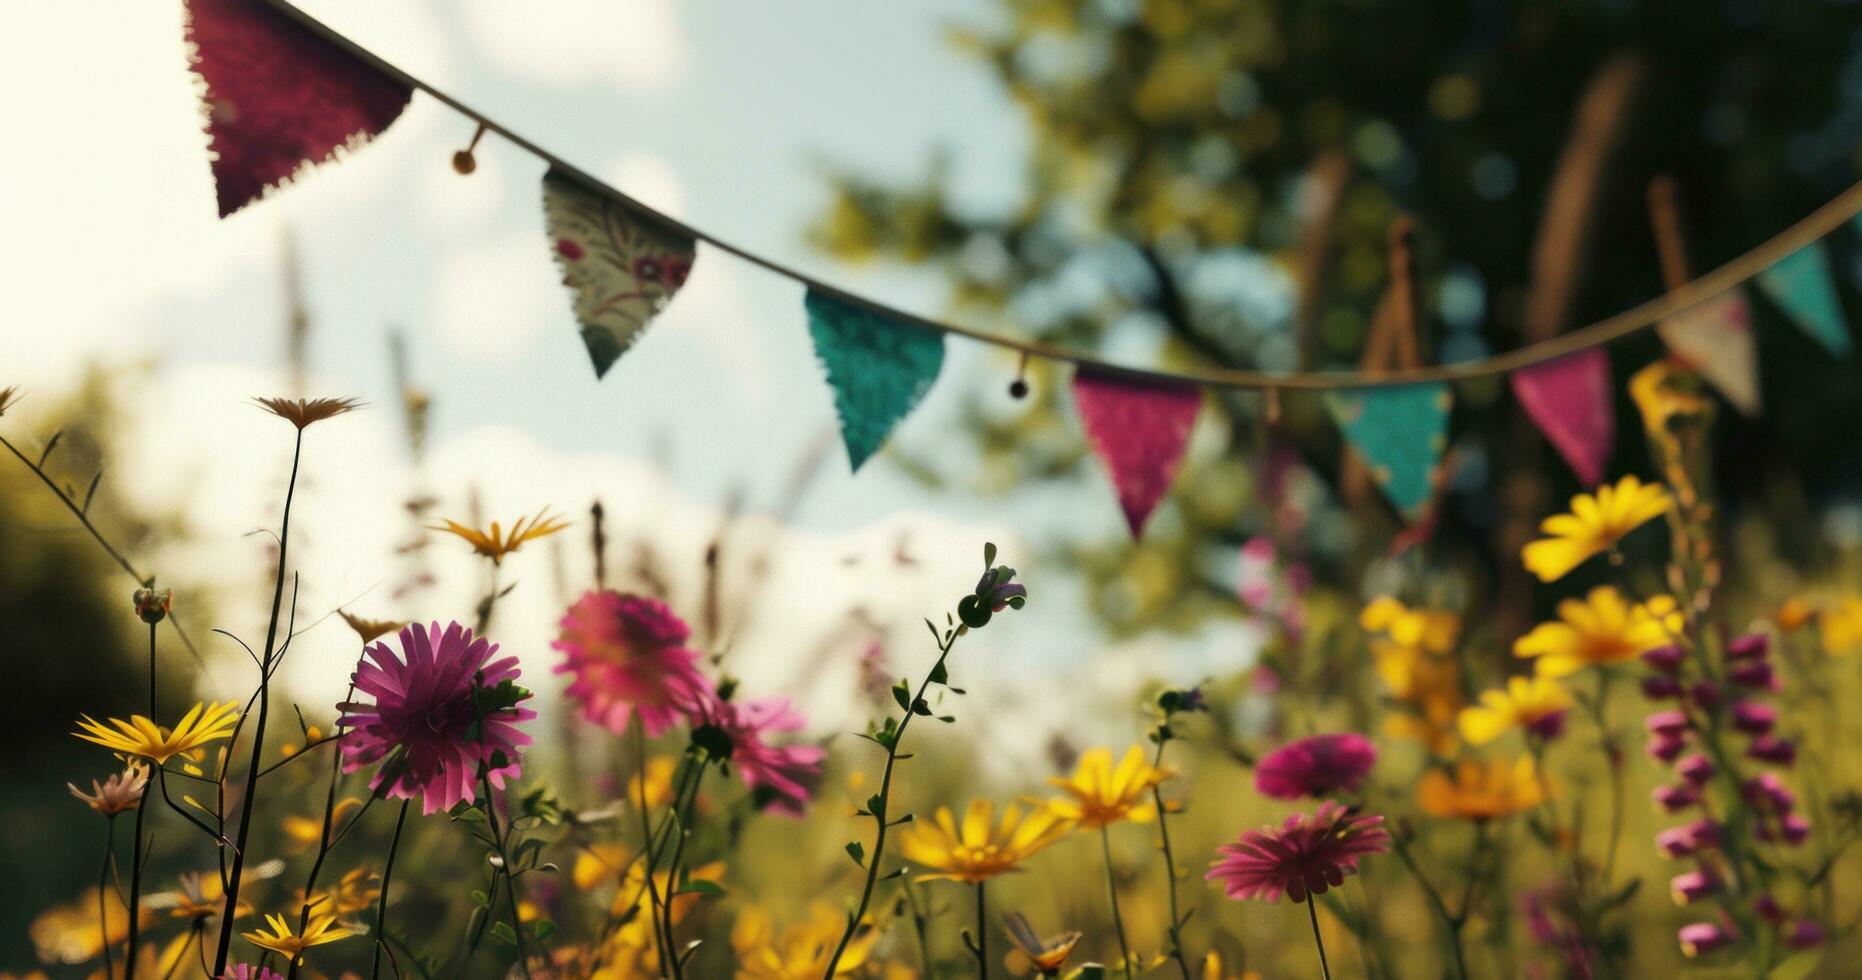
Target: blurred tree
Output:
[(1212, 181)]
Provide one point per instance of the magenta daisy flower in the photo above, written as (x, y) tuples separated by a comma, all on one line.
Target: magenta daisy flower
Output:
[(426, 719), (629, 659), (782, 777), (1318, 766), (1307, 855)]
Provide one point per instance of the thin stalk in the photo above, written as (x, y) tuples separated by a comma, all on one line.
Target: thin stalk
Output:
[(1450, 922), (1312, 913), (258, 732), (1170, 875), (103, 884), (152, 671), (135, 890), (647, 848), (680, 830), (504, 867), (1615, 839), (982, 933), (1118, 921), (324, 843), (380, 902), (880, 826)]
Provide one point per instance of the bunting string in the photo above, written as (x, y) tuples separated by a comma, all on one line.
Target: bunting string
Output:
[(1636, 320)]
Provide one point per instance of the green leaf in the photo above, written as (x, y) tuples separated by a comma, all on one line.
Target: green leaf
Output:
[(502, 930), (902, 693), (939, 675), (480, 899), (919, 707), (876, 805), (543, 929), (700, 886), (989, 553), (857, 852), (1797, 966)]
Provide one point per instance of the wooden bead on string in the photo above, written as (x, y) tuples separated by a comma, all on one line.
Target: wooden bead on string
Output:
[(1018, 389), (463, 161)]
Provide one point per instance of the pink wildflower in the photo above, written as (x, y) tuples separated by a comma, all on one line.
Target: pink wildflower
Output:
[(1307, 855), (782, 777), (1703, 937), (426, 717), (1318, 766), (1804, 934), (629, 659), (1692, 886)]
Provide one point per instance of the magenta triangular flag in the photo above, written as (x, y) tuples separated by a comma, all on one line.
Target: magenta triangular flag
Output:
[(1139, 429), (1571, 400), (279, 98)]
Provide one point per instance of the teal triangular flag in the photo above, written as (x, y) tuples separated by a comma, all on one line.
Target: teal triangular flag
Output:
[(879, 368), (1800, 283), (1400, 433)]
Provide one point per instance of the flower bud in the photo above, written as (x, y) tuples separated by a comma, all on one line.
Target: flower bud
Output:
[(1755, 674), (152, 605), (1804, 934), (1667, 723), (1676, 798), (1772, 749), (1660, 687), (1754, 718), (1676, 842), (1768, 908), (1791, 828), (1751, 646), (1696, 769), (1704, 693), (1664, 658), (1703, 937), (1704, 832), (1766, 790), (1692, 886), (1666, 748)]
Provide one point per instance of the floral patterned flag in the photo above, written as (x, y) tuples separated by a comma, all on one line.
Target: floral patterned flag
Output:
[(279, 98), (1714, 337), (1571, 401), (1801, 285), (879, 369), (1400, 432), (621, 267), (1139, 430)]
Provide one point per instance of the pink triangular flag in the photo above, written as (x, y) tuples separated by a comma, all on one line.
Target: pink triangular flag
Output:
[(1139, 429), (1570, 399), (279, 98), (1714, 336)]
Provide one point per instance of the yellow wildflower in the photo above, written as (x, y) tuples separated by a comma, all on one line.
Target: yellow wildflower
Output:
[(1098, 794), (1428, 629), (304, 831), (320, 929), (1839, 627), (799, 952), (1482, 789), (1043, 956), (370, 630), (355, 892), (495, 543), (1536, 704), (658, 782), (1796, 612), (1602, 628), (140, 737), (598, 864), (1594, 525), (1214, 969), (979, 849), (72, 932)]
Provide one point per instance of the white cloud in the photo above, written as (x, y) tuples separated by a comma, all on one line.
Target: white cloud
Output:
[(491, 300), (634, 44)]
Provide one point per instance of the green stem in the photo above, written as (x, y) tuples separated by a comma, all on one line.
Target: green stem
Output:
[(135, 890), (982, 932), (103, 884), (1170, 869), (1451, 924), (647, 848), (381, 900), (879, 814), (504, 868), (1312, 912), (1118, 921), (258, 732)]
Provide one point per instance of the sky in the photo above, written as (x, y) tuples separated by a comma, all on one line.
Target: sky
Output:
[(722, 114)]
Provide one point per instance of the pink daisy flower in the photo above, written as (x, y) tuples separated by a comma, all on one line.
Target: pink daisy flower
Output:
[(1307, 855), (1316, 767), (425, 716), (783, 778), (629, 659), (246, 971)]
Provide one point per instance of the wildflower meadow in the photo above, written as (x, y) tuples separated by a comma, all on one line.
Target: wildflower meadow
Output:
[(1368, 494)]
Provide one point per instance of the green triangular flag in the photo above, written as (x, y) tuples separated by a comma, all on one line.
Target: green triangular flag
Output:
[(879, 368), (1400, 433), (1801, 285)]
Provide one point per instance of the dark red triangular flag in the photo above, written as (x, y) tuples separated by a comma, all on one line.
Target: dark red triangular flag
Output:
[(1139, 429), (279, 98)]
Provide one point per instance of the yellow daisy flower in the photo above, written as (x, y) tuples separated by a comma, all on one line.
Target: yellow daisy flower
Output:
[(494, 542), (1098, 794), (321, 929), (1431, 630), (799, 952), (1043, 956), (1482, 789), (1602, 628), (977, 851), (1839, 627), (205, 722), (301, 832), (355, 892), (1594, 525), (1536, 704)]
